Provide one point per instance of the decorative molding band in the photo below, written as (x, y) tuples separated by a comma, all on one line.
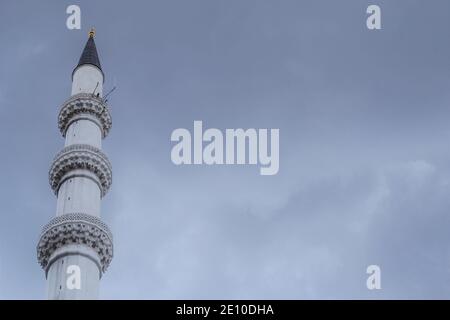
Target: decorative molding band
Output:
[(81, 156), (76, 228), (84, 103)]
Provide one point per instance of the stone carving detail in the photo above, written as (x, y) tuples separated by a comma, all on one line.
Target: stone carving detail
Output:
[(84, 103), (76, 228), (81, 156)]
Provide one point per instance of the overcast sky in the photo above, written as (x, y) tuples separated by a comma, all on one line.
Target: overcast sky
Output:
[(364, 145)]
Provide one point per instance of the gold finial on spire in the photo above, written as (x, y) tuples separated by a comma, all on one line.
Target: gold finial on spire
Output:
[(92, 33)]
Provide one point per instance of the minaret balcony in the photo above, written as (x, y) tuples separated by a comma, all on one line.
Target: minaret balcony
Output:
[(69, 161), (85, 106), (75, 229)]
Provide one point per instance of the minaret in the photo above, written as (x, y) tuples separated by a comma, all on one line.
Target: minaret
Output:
[(76, 247)]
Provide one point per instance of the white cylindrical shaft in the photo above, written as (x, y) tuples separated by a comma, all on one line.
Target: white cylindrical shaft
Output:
[(74, 274), (79, 193), (87, 79), (84, 131)]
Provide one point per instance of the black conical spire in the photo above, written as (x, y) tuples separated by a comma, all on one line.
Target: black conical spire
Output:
[(90, 55)]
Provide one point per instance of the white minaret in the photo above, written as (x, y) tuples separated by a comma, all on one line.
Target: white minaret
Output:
[(76, 247)]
